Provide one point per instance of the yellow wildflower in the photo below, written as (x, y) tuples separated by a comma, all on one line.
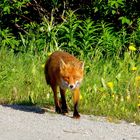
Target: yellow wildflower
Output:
[(134, 68), (49, 53), (48, 96), (132, 47), (110, 84), (139, 97), (139, 105), (81, 97), (137, 78), (113, 95), (43, 65)]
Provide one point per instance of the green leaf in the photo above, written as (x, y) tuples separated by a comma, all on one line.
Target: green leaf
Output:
[(113, 12), (125, 20), (6, 9)]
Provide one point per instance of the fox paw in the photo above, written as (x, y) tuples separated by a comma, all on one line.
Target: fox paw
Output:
[(64, 111), (58, 110), (76, 116)]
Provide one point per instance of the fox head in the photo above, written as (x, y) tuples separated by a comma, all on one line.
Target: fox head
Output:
[(71, 74)]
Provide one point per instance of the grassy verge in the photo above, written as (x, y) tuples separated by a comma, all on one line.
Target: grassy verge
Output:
[(110, 87), (22, 79)]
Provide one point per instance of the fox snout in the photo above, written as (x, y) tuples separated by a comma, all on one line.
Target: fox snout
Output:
[(70, 86)]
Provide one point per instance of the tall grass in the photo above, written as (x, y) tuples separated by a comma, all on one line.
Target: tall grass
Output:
[(112, 88), (22, 78), (111, 85)]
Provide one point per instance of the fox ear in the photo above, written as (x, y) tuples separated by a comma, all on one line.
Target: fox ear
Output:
[(82, 65), (62, 64)]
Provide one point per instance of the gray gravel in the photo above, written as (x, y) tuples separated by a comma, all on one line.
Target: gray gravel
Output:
[(30, 123)]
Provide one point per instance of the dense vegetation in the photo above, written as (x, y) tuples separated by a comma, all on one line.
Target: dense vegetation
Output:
[(105, 34)]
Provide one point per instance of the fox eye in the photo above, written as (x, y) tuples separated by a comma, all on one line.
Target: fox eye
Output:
[(65, 77), (76, 77)]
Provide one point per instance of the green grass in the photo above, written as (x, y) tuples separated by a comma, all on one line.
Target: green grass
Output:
[(110, 87), (22, 79)]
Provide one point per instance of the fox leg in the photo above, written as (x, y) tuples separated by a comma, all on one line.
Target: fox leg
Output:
[(63, 101), (76, 94), (56, 101)]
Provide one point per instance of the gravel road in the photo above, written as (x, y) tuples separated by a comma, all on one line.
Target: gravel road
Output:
[(31, 123)]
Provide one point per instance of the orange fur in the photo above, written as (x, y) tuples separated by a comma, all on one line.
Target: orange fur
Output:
[(65, 71)]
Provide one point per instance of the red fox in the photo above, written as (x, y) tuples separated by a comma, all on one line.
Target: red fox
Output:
[(65, 71)]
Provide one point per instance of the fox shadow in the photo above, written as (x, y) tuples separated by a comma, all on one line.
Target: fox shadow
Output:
[(25, 108), (35, 109)]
